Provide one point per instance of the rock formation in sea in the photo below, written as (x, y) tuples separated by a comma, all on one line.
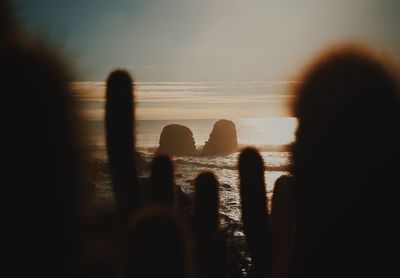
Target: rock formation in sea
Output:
[(223, 139), (176, 140)]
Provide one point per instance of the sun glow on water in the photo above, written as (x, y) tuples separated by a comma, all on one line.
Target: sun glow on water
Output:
[(266, 131)]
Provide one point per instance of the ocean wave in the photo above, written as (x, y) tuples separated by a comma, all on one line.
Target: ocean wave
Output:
[(275, 160), (195, 164)]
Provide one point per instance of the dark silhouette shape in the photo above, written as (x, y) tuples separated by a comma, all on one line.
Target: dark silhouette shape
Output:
[(161, 187), (45, 191), (345, 164), (223, 139), (282, 226), (176, 140), (119, 122), (207, 204), (253, 200), (163, 181), (101, 254), (156, 245), (211, 246)]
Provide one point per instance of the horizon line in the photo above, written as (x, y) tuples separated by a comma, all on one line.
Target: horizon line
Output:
[(221, 81), (217, 119)]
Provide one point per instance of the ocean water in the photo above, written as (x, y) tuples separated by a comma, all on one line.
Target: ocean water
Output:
[(264, 131), (250, 132), (260, 132)]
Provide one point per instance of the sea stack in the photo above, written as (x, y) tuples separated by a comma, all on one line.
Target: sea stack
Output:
[(223, 139), (176, 140)]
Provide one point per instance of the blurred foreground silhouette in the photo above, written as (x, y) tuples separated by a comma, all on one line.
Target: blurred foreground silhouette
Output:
[(211, 245), (119, 122), (348, 136), (163, 181), (47, 193), (333, 216), (253, 198), (156, 244), (282, 226)]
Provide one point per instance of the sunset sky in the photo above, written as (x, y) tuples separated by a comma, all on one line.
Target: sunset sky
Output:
[(208, 40), (194, 100), (249, 41)]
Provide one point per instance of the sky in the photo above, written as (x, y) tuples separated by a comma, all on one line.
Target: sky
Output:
[(207, 40), (193, 100)]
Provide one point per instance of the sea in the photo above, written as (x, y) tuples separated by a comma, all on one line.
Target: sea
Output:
[(269, 133)]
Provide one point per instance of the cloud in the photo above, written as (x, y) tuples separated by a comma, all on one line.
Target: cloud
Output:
[(194, 100)]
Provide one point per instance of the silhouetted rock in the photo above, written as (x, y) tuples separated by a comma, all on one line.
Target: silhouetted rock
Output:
[(176, 140), (223, 139)]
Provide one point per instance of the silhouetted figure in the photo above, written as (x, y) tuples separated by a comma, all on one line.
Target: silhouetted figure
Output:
[(163, 181), (176, 140), (223, 139), (119, 122), (253, 200), (346, 162), (282, 225), (210, 242), (156, 245), (44, 188)]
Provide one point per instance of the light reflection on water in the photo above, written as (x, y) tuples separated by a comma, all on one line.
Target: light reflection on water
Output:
[(250, 131), (187, 168)]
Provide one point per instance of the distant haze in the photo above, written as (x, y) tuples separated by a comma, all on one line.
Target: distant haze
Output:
[(193, 100), (207, 40)]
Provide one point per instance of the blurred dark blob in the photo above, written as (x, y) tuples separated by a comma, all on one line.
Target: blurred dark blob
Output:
[(346, 166), (45, 192), (254, 210), (156, 245)]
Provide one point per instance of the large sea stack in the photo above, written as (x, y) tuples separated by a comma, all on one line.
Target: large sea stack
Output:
[(223, 139), (176, 140)]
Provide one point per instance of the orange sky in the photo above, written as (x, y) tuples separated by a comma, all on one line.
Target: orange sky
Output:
[(194, 100)]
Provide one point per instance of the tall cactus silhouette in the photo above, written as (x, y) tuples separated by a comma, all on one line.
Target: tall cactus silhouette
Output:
[(211, 247), (282, 225), (206, 204), (254, 210), (119, 122), (162, 181)]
